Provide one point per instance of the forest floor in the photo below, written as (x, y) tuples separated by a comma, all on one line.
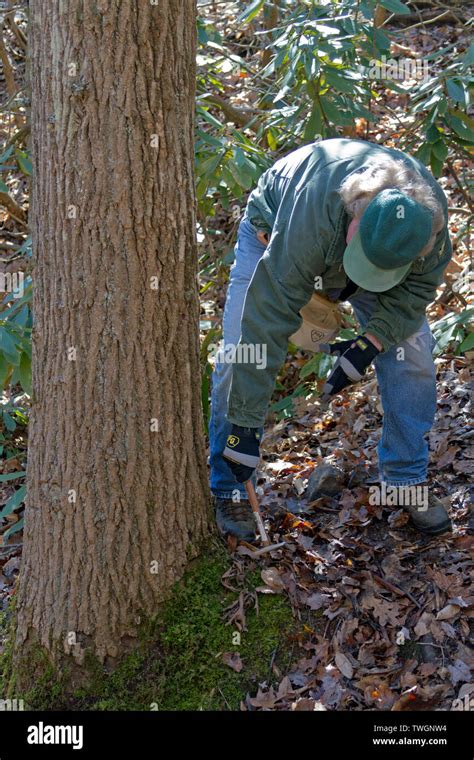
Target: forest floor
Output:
[(357, 611)]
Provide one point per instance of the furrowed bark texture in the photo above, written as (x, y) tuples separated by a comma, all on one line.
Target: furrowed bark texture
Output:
[(115, 509)]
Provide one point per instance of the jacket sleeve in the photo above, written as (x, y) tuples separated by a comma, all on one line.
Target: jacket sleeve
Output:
[(400, 311), (282, 284)]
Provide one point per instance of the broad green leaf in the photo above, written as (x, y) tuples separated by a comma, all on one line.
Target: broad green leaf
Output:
[(208, 167), (12, 476), (333, 112), (19, 316), (456, 90), (24, 162), (283, 405), (440, 149), (426, 105), (382, 40), (436, 165), (208, 117), (8, 346), (326, 30), (252, 10), (464, 118), (314, 123), (14, 529), (272, 143), (9, 422), (325, 365), (433, 133), (339, 81), (6, 154), (13, 502), (5, 371), (459, 127), (468, 59), (311, 366), (468, 343), (395, 6)]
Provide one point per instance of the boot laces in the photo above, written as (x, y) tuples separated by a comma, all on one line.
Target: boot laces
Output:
[(239, 510)]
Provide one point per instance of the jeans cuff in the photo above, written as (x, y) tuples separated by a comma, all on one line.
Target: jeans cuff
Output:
[(400, 483), (229, 494)]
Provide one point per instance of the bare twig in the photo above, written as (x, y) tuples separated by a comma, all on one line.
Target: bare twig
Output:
[(395, 589), (19, 34), (429, 21), (454, 174), (7, 67)]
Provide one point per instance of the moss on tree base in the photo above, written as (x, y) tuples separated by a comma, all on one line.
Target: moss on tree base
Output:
[(177, 664)]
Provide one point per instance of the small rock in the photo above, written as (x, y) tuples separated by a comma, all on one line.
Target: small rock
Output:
[(362, 476), (10, 566), (325, 480)]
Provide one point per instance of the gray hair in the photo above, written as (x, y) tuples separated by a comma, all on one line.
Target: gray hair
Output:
[(360, 187)]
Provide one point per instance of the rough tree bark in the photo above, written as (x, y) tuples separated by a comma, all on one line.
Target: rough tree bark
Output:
[(117, 486)]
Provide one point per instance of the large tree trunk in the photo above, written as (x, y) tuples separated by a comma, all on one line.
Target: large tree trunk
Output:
[(117, 486)]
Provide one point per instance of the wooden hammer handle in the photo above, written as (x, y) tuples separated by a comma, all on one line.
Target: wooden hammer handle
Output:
[(249, 487)]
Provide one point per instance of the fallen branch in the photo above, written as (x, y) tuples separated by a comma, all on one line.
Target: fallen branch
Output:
[(12, 207), (242, 117), (395, 589)]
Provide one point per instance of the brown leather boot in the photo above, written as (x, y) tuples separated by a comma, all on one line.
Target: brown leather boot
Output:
[(425, 509), (235, 519)]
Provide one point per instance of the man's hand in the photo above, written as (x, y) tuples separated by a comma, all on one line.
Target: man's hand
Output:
[(354, 358), (242, 452)]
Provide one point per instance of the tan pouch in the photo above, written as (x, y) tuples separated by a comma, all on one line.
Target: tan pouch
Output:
[(322, 321)]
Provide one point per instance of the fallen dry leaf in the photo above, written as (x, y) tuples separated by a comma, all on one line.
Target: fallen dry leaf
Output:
[(344, 665), (232, 660), (272, 578)]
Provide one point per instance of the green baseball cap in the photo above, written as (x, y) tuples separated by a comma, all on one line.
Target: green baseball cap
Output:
[(393, 230)]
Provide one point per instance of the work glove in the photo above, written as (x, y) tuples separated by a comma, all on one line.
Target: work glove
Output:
[(242, 452), (354, 358)]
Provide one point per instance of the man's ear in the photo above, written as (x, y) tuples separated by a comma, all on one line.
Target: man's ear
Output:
[(263, 237), (352, 229)]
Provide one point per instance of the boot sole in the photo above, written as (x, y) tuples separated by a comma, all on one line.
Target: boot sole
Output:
[(444, 528)]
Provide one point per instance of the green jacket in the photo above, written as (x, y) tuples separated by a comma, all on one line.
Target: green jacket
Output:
[(297, 200)]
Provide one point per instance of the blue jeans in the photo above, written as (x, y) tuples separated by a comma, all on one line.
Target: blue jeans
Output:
[(405, 374)]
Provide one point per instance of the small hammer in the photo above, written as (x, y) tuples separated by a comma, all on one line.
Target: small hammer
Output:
[(249, 487)]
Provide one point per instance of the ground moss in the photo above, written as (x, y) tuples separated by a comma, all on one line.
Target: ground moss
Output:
[(48, 690), (177, 663), (7, 634), (410, 650), (179, 666)]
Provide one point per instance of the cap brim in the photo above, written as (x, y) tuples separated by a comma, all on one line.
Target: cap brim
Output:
[(365, 274)]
